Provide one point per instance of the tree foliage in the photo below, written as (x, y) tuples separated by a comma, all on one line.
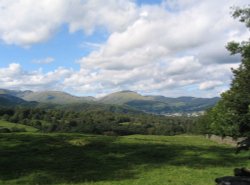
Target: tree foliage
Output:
[(98, 121), (231, 115)]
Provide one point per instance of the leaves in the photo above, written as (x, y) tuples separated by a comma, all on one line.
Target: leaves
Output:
[(231, 115)]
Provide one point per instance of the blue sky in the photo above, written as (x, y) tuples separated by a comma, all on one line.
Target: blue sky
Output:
[(96, 47), (66, 48)]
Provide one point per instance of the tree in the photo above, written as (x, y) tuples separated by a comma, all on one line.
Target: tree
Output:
[(231, 116)]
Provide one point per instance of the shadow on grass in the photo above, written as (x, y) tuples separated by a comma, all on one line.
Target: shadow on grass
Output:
[(51, 159)]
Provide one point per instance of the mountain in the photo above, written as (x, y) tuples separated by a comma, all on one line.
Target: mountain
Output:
[(58, 100), (7, 100), (123, 101), (120, 98), (54, 97), (14, 92), (159, 104)]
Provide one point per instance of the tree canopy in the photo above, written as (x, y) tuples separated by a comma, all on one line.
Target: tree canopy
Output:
[(231, 116)]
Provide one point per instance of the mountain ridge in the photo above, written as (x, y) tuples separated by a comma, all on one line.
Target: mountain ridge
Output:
[(157, 104), (57, 97)]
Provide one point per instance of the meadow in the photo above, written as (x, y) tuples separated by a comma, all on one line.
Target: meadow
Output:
[(9, 125), (78, 159)]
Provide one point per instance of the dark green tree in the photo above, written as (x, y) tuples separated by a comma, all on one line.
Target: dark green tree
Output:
[(231, 116)]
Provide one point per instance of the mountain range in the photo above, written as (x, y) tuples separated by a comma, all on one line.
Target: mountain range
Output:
[(122, 99)]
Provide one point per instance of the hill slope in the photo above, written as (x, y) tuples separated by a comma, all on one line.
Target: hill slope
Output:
[(9, 125), (125, 99), (121, 97), (7, 100), (54, 97), (159, 104)]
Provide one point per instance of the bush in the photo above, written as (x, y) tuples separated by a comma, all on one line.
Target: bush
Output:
[(4, 130)]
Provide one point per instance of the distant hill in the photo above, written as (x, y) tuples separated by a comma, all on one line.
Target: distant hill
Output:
[(159, 104), (8, 100), (123, 101), (120, 98), (58, 100), (14, 92), (54, 97)]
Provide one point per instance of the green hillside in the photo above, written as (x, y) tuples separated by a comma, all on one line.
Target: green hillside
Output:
[(9, 125), (55, 97), (159, 104), (7, 100), (126, 99), (15, 92), (151, 106), (121, 97)]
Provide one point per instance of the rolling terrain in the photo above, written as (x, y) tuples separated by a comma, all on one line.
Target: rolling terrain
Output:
[(53, 97), (7, 100), (159, 104), (126, 99)]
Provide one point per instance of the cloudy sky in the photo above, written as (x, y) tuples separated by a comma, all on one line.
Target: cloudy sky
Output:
[(94, 47)]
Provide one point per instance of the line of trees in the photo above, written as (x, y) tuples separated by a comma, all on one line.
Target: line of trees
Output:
[(98, 121)]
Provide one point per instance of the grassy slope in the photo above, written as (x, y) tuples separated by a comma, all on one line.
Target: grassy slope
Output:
[(121, 97), (158, 104), (9, 125), (70, 159), (54, 97)]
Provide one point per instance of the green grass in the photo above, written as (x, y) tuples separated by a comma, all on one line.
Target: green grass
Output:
[(75, 159), (9, 125)]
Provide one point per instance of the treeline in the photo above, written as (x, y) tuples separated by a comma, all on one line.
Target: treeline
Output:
[(98, 121)]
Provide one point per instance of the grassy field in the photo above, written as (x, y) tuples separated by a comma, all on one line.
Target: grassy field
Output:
[(10, 125), (75, 159)]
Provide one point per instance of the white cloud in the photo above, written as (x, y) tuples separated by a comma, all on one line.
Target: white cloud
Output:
[(210, 85), (165, 50), (15, 77), (26, 22), (176, 47), (115, 15), (162, 34)]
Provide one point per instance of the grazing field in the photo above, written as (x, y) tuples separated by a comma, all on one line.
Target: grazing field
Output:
[(75, 159), (9, 125)]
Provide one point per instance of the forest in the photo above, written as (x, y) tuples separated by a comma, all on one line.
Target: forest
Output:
[(98, 121)]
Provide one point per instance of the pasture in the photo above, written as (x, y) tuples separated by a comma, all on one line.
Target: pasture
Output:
[(9, 125), (77, 159)]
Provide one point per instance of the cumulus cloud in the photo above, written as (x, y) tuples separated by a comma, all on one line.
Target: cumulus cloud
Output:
[(15, 77), (164, 50), (161, 33), (210, 85), (26, 22), (114, 15), (175, 47)]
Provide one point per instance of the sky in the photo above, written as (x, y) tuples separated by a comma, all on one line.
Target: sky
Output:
[(95, 47)]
